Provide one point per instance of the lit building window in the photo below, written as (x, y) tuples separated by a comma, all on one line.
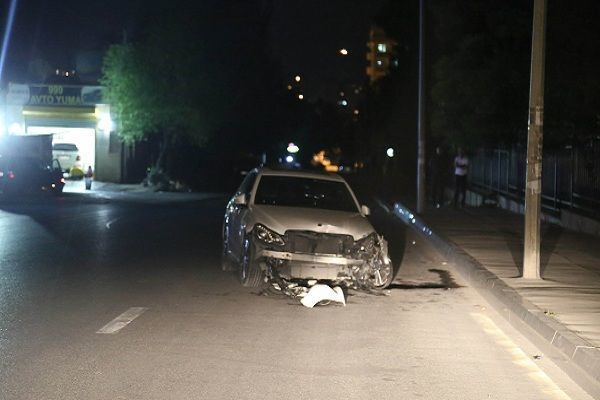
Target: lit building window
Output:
[(382, 48)]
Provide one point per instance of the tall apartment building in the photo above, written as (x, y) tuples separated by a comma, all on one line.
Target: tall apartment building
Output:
[(381, 54)]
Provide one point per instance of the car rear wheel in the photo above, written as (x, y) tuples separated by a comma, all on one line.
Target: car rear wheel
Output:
[(250, 273)]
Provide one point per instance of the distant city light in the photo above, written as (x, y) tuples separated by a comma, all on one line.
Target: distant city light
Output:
[(297, 78), (289, 87), (356, 112), (301, 96), (289, 159), (344, 103), (344, 52), (292, 148), (390, 152)]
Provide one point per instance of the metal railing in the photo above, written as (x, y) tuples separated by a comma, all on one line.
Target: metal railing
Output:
[(570, 176)]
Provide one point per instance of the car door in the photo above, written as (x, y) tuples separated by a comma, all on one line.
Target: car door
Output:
[(234, 228)]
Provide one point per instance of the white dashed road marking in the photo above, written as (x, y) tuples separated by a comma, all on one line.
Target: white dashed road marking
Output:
[(520, 358), (122, 320), (111, 222)]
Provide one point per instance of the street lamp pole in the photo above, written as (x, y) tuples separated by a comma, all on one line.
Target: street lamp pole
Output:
[(421, 121), (535, 135)]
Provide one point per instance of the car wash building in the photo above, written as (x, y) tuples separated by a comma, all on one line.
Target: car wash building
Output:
[(76, 118)]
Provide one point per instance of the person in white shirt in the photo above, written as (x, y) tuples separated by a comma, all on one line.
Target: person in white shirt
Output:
[(461, 169)]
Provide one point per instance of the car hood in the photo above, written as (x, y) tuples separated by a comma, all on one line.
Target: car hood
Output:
[(281, 219)]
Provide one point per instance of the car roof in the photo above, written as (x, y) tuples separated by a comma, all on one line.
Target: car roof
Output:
[(299, 173)]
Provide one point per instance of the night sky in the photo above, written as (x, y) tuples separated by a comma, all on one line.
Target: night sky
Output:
[(305, 36)]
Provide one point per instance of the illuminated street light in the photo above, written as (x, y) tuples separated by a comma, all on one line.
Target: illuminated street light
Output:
[(344, 52), (289, 87), (292, 148), (301, 96), (289, 159), (104, 120), (390, 152), (16, 129), (297, 78)]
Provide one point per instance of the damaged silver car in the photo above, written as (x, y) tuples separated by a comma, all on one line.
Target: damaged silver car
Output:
[(298, 227)]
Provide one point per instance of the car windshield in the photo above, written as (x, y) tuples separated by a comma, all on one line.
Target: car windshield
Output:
[(64, 147), (304, 192)]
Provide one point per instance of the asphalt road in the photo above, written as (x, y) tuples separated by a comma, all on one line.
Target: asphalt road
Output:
[(186, 330)]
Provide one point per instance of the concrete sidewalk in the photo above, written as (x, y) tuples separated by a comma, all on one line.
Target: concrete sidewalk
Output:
[(97, 186), (563, 308)]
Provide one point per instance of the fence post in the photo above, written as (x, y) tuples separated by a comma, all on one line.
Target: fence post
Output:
[(555, 181), (508, 163), (499, 169), (573, 166)]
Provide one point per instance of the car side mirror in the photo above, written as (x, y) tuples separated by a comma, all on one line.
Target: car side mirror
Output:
[(240, 199), (366, 211)]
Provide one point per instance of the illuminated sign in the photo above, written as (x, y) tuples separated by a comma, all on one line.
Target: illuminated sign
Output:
[(54, 95)]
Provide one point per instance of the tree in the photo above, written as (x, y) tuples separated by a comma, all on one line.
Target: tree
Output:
[(572, 81), (482, 56), (197, 73), (480, 76)]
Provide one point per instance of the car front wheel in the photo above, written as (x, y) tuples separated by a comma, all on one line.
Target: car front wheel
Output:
[(250, 273), (382, 273), (226, 263)]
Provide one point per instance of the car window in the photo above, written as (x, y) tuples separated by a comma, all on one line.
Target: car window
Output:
[(64, 147), (304, 192)]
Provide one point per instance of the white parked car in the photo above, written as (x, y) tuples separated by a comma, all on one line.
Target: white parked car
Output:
[(66, 154), (292, 226)]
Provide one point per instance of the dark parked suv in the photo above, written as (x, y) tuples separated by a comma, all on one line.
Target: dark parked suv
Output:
[(28, 175)]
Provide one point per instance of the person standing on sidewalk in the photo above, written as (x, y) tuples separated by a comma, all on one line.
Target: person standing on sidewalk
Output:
[(461, 169), (89, 175)]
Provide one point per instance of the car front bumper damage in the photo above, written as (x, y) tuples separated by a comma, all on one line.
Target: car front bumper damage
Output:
[(289, 265)]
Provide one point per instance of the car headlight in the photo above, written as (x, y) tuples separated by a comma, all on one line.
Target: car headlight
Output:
[(268, 236)]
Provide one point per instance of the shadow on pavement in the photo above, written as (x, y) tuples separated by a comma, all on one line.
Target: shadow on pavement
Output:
[(447, 282)]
